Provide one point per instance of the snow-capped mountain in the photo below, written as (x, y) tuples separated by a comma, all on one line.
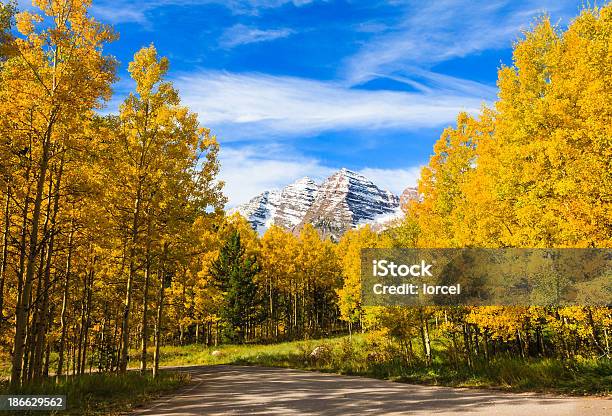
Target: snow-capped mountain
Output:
[(347, 200), (344, 200), (260, 211), (295, 201)]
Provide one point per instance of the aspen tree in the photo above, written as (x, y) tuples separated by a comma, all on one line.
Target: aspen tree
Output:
[(54, 76)]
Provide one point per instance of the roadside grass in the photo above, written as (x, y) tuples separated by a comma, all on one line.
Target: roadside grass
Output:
[(356, 357), (100, 393), (584, 377), (273, 355)]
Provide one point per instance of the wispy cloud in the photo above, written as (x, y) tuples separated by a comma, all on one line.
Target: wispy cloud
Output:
[(432, 32), (394, 180), (251, 170), (136, 11), (242, 35), (248, 105), (254, 6), (248, 171), (120, 14)]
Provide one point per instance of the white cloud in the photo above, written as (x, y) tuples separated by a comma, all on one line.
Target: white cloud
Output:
[(253, 6), (394, 180), (252, 105), (432, 32), (120, 14), (249, 171), (242, 35), (135, 11)]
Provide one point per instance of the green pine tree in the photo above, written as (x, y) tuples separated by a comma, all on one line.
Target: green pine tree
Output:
[(234, 274)]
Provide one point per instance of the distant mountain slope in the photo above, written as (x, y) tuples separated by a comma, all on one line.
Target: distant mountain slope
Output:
[(343, 201)]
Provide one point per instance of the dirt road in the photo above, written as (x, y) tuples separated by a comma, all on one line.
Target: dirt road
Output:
[(230, 390)]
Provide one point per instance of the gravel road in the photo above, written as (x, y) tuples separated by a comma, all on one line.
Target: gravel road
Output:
[(238, 390)]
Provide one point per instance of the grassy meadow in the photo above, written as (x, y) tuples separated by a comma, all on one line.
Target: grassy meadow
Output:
[(102, 393)]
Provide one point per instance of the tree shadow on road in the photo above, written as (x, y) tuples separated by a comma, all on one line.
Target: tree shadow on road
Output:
[(229, 389)]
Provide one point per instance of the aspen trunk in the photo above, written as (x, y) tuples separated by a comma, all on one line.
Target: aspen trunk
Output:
[(23, 241), (605, 331), (125, 327), (81, 326), (5, 242), (145, 306), (158, 325), (33, 330), (519, 344), (485, 339), (74, 354), (216, 333), (116, 340), (64, 312), (272, 322), (467, 346), (21, 313), (44, 313), (47, 358), (426, 340), (87, 323)]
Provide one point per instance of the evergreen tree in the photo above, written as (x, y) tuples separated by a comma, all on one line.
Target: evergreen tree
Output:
[(234, 273)]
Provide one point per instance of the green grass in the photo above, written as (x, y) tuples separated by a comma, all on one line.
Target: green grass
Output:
[(543, 375), (103, 394), (356, 357), (195, 354)]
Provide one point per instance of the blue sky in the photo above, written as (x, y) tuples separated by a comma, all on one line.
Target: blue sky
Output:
[(302, 88)]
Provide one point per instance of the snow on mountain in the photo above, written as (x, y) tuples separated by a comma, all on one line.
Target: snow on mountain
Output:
[(347, 199), (260, 210), (343, 201), (295, 201), (285, 207)]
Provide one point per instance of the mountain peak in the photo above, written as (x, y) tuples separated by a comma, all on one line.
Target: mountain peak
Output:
[(304, 180), (343, 201), (349, 173)]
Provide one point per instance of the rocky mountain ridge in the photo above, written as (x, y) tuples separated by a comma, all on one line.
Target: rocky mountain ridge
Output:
[(343, 201)]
